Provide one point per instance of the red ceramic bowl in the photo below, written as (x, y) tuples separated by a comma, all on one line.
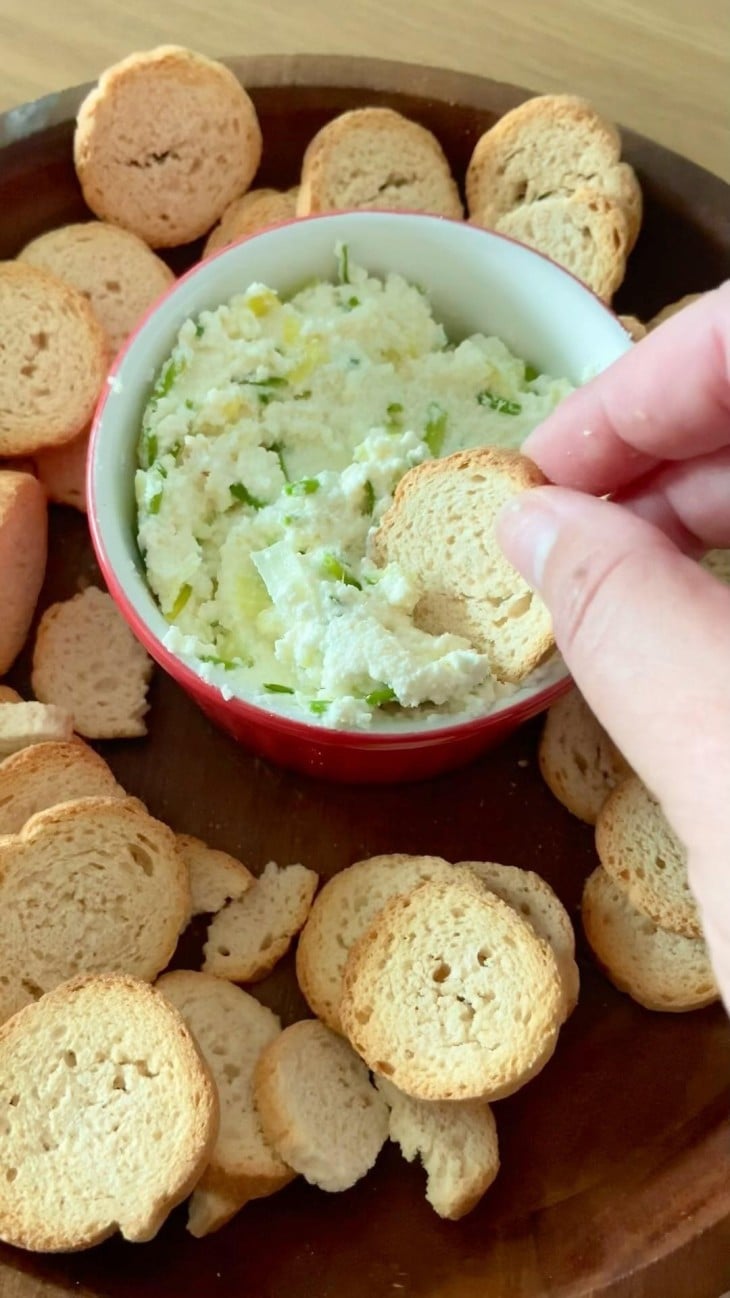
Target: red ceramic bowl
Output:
[(477, 282)]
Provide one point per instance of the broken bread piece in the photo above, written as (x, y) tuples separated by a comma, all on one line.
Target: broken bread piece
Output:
[(215, 877), (23, 549), (87, 660), (248, 937), (24, 724), (109, 1115), (440, 529), (44, 775)]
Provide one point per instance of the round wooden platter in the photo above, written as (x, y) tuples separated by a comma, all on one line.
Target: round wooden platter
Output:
[(615, 1177)]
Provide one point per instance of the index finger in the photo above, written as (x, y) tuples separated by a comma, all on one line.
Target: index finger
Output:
[(666, 399)]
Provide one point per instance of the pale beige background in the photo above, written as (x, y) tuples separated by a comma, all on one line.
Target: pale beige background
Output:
[(660, 66)]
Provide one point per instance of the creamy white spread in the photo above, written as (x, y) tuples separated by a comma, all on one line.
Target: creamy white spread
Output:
[(271, 445)]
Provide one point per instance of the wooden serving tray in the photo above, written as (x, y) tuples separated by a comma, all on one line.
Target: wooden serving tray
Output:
[(615, 1176)]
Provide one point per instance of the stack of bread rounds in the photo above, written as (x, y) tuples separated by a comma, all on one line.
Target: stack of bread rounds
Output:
[(579, 762)]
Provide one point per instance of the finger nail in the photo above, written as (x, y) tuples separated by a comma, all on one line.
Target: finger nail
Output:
[(527, 531)]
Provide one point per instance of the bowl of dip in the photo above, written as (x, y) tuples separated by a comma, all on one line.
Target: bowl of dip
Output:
[(251, 437)]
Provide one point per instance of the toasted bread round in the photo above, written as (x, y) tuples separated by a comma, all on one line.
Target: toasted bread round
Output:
[(634, 327), (451, 995), (91, 886), (672, 308), (254, 211), (456, 1143), (550, 147), (659, 969), (318, 1107), (109, 1115), (533, 898), (248, 937), (116, 272), (440, 529), (586, 233), (342, 912), (164, 142), (53, 360), (62, 471), (376, 158), (9, 695), (87, 660), (231, 1029), (25, 724), (579, 762), (215, 877), (44, 775), (23, 549), (639, 850)]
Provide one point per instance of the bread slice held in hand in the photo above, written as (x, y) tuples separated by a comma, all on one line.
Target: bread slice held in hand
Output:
[(93, 886), (109, 1115), (231, 1029), (25, 724), (23, 550), (215, 877), (318, 1107), (45, 775), (659, 969), (342, 912), (451, 995), (248, 937), (441, 530), (586, 233), (376, 158), (456, 1143), (87, 660), (638, 848), (579, 762)]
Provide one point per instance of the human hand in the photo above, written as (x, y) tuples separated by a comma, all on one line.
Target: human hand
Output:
[(644, 630)]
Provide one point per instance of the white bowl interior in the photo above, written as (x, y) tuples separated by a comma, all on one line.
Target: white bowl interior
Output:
[(476, 281)]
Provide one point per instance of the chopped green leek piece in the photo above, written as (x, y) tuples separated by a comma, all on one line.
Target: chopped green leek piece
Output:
[(155, 502), (377, 697), (183, 595), (335, 568), (272, 688), (242, 494), (304, 487), (369, 497), (225, 663), (343, 264), (278, 449), (199, 330), (318, 706), (171, 371), (436, 419), (500, 404), (531, 373)]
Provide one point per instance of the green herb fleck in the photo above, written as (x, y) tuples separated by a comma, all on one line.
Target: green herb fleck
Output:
[(183, 595), (343, 264), (318, 706), (394, 417), (352, 302), (335, 569), (436, 420), (155, 502), (368, 497), (303, 396), (244, 496), (272, 688), (377, 697), (189, 405), (175, 450), (500, 404), (304, 487), (266, 389), (171, 371), (531, 373), (199, 330), (278, 449), (225, 663), (149, 450)]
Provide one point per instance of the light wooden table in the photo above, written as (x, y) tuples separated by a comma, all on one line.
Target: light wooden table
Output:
[(659, 66)]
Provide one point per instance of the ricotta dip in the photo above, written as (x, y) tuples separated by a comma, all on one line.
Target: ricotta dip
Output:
[(271, 445)]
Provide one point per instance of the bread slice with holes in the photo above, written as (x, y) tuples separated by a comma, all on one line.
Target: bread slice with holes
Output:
[(344, 909), (376, 158), (25, 724), (456, 1143), (115, 271), (92, 886), (53, 363), (586, 233), (62, 471), (215, 877), (87, 660), (452, 995), (551, 146), (579, 762), (231, 1029), (441, 530), (318, 1107), (533, 898), (45, 775), (109, 1115), (659, 969), (248, 937), (23, 550), (638, 848), (249, 214)]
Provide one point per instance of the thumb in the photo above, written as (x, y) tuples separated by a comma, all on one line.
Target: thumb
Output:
[(646, 635)]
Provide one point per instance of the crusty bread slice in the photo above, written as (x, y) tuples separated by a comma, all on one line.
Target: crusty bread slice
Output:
[(579, 762), (586, 233), (23, 724), (116, 272), (254, 211), (62, 471), (164, 142), (215, 877), (53, 362), (23, 547), (533, 898), (672, 308), (344, 909), (376, 158), (440, 529), (92, 886), (451, 994), (231, 1029), (9, 695), (87, 660), (659, 969), (549, 147), (109, 1115), (456, 1143), (248, 937), (44, 775), (638, 848), (318, 1107)]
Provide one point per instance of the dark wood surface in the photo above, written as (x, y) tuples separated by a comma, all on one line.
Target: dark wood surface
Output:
[(615, 1176)]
